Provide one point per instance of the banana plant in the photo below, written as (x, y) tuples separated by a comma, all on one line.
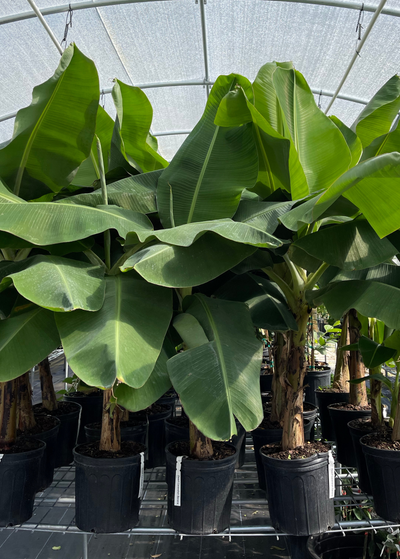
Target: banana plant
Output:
[(327, 206)]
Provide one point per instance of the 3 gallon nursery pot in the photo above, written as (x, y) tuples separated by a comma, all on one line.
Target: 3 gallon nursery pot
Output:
[(46, 471), (177, 429), (107, 489), (319, 376), (310, 412), (356, 433), (69, 415), (92, 409), (324, 399), (384, 474), (136, 433), (205, 490), (340, 417), (298, 493), (19, 473), (155, 443)]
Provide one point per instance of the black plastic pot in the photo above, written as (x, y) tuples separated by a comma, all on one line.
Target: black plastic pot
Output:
[(46, 471), (298, 495), (308, 429), (239, 442), (363, 477), (266, 383), (262, 437), (336, 546), (324, 399), (156, 438), (92, 409), (169, 401), (384, 474), (206, 494), (314, 379), (106, 493), (135, 433), (311, 416), (344, 445), (67, 436), (18, 481)]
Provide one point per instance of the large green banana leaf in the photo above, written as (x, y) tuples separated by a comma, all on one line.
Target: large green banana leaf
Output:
[(136, 399), (88, 171), (279, 166), (51, 223), (352, 140), (186, 235), (137, 193), (267, 304), (372, 186), (55, 283), (384, 273), (262, 215), (123, 339), (386, 143), (370, 298), (219, 379), (131, 130), (212, 167), (6, 197), (321, 147), (54, 134), (377, 117), (350, 246), (25, 340), (173, 266)]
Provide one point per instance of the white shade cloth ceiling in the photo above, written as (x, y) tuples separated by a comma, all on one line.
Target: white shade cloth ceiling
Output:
[(153, 42)]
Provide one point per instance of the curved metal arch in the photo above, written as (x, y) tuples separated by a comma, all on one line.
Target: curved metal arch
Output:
[(85, 5)]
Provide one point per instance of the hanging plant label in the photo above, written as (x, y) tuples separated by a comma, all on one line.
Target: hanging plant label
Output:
[(177, 495), (141, 480), (1, 457), (331, 475)]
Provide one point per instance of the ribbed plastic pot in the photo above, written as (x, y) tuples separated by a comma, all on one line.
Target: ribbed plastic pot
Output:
[(206, 494), (106, 493), (266, 383), (336, 546), (314, 379), (363, 477), (92, 409), (298, 496), (311, 416), (307, 425), (384, 474), (344, 445), (67, 436), (262, 437), (135, 433), (156, 438), (46, 471), (324, 399), (18, 481)]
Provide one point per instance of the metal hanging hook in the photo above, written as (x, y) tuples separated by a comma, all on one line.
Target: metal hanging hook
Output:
[(68, 26)]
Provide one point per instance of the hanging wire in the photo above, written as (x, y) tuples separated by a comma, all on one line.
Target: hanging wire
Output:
[(68, 26), (103, 99), (319, 99), (360, 27)]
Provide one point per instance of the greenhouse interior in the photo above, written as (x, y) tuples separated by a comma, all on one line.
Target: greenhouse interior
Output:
[(199, 279)]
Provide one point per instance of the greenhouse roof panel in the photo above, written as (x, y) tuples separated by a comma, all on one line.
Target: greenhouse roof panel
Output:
[(161, 42)]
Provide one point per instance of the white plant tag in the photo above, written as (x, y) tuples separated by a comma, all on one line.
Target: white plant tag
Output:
[(331, 475), (177, 495), (141, 480), (1, 457)]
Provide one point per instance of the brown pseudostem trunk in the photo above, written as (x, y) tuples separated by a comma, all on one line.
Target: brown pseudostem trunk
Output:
[(25, 416), (8, 414), (124, 414), (375, 385), (49, 399), (110, 439), (358, 392), (293, 430), (281, 356), (200, 446), (342, 371), (396, 425), (313, 319)]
